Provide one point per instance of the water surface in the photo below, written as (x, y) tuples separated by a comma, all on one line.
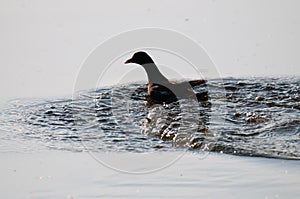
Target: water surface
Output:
[(245, 117)]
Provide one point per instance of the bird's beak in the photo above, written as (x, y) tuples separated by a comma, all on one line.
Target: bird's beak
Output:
[(128, 61)]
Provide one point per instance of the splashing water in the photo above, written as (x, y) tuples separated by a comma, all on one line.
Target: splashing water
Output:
[(249, 117)]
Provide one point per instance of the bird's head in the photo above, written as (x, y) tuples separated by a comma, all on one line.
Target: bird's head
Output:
[(140, 58)]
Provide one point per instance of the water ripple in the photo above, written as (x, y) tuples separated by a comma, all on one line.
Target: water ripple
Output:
[(251, 117)]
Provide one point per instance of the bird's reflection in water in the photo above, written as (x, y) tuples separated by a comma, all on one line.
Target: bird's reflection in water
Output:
[(184, 122)]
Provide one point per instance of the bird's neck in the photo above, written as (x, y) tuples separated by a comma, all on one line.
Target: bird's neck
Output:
[(154, 75)]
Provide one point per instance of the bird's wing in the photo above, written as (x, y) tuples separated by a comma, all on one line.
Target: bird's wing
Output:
[(197, 82)]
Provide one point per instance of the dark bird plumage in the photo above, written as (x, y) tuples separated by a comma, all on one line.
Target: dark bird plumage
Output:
[(160, 89)]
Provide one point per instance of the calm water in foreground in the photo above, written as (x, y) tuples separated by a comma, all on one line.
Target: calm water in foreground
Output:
[(243, 142)]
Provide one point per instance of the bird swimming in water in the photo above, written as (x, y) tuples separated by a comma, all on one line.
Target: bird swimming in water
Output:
[(160, 89)]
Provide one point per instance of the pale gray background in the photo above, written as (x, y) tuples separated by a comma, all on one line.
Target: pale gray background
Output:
[(43, 43)]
